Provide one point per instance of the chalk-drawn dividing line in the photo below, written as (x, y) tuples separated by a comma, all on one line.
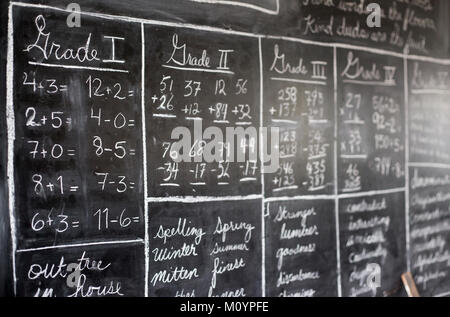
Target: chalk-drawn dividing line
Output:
[(314, 121), (407, 159), (100, 69), (354, 156), (429, 165), (200, 199), (369, 83), (164, 115), (316, 157), (373, 193), (285, 188), (303, 197), (351, 190), (266, 6), (430, 92), (300, 81), (337, 196), (316, 189), (144, 164), (169, 185), (198, 184), (284, 121), (357, 122), (11, 128), (87, 244), (205, 70)]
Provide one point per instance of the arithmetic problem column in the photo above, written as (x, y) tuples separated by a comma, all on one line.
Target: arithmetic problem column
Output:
[(204, 215), (300, 255), (371, 171), (75, 155)]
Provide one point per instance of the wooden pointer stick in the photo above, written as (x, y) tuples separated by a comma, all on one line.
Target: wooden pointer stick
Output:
[(410, 285)]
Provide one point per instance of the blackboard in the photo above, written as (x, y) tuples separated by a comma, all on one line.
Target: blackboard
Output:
[(329, 174)]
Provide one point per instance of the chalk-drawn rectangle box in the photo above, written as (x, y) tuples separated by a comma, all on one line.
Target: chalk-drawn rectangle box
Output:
[(372, 244), (429, 90), (77, 271), (190, 241), (184, 76), (71, 100), (429, 218), (298, 99), (371, 121), (300, 248)]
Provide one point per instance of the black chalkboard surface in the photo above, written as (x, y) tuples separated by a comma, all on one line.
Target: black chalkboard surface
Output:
[(314, 160)]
